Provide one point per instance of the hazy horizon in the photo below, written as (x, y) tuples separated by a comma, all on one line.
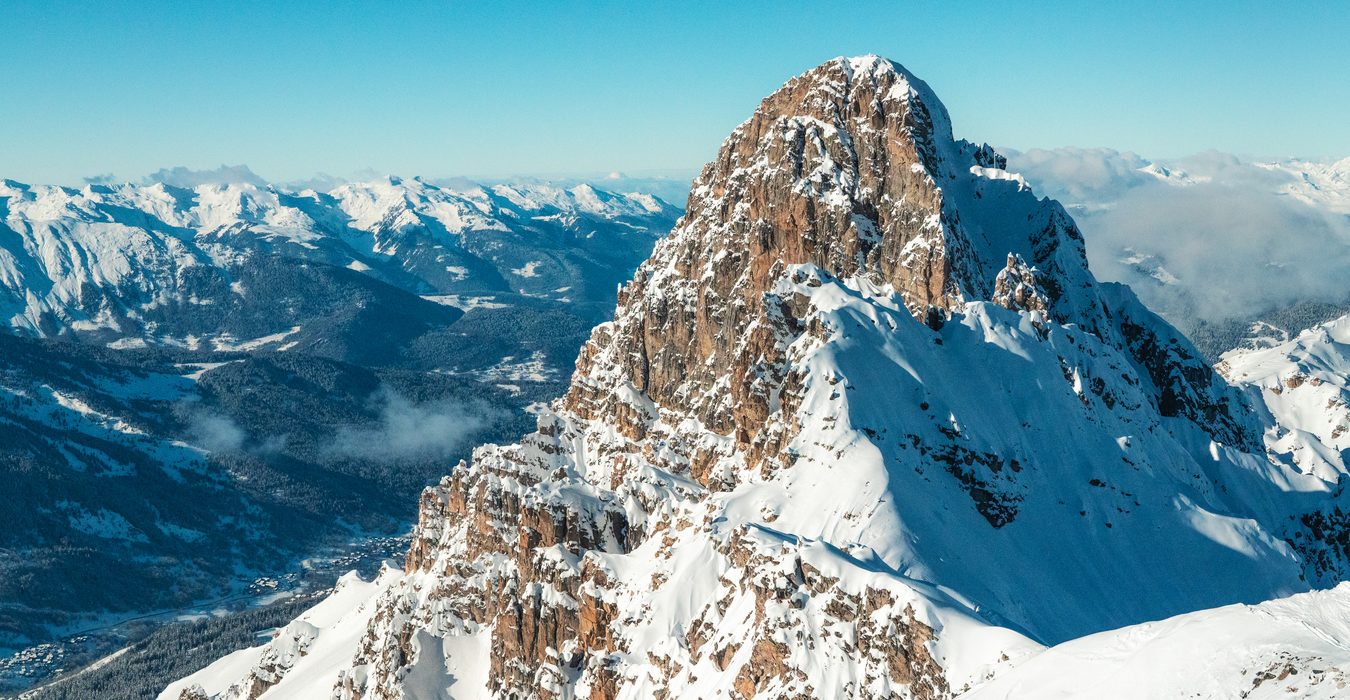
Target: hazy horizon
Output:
[(446, 89)]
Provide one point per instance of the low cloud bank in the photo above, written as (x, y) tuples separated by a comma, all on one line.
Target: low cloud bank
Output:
[(182, 176), (216, 433), (1213, 235), (407, 430)]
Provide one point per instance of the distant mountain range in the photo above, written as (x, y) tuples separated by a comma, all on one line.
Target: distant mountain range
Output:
[(161, 265)]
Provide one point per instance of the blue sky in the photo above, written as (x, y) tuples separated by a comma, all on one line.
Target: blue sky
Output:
[(494, 89)]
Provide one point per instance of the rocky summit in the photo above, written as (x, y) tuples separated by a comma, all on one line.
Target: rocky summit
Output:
[(864, 425)]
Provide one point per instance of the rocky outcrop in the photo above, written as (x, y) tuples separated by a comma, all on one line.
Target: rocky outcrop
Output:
[(843, 170), (1017, 288), (846, 168)]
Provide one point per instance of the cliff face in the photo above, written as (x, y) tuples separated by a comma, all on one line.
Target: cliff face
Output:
[(842, 168), (863, 425)]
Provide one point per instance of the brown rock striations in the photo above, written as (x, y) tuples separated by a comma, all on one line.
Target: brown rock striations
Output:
[(843, 168)]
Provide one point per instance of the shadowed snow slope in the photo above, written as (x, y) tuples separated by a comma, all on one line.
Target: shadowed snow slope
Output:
[(864, 425)]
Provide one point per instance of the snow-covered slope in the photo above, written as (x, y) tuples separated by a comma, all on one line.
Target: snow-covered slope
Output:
[(864, 425), (320, 637), (1295, 647), (1301, 386), (1325, 185), (1304, 383)]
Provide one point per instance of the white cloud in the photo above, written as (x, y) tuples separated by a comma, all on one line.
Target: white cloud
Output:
[(433, 429), (181, 176), (216, 433)]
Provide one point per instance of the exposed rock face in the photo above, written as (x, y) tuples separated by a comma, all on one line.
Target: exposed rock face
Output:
[(843, 168), (819, 448), (836, 170)]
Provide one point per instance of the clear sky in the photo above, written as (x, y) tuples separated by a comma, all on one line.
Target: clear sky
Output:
[(493, 89)]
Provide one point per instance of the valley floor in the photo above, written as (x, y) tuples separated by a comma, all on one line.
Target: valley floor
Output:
[(45, 671)]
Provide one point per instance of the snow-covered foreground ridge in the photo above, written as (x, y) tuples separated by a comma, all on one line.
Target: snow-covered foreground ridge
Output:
[(1289, 648), (864, 425)]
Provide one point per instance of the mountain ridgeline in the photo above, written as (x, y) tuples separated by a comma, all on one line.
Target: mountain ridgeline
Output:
[(863, 425), (222, 265)]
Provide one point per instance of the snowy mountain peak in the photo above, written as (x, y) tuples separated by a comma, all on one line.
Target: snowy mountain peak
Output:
[(1170, 175), (902, 83), (863, 152)]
